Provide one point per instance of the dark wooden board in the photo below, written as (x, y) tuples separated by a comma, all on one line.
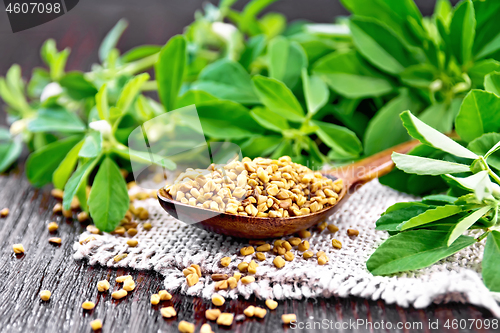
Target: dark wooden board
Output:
[(45, 266)]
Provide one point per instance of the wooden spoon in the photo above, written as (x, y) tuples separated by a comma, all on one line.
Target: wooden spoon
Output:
[(354, 176)]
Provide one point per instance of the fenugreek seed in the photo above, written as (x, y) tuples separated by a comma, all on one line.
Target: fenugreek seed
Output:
[(82, 216), (225, 319), (122, 278), (87, 305), (155, 299), (143, 214), (119, 294), (67, 213), (333, 228), (87, 240), (232, 283), (212, 314), (352, 232), (260, 312), (205, 328), (132, 242), (221, 285), (218, 300), (129, 285), (320, 253), (247, 279), (197, 269), (119, 231), (264, 247), (243, 267), (168, 312), (103, 285), (278, 242), (303, 246), (192, 279), (336, 244), (279, 262), (225, 261), (120, 257), (147, 226), (237, 276), (322, 260), (93, 230), (219, 277), (281, 250), (322, 226), (55, 240), (57, 208), (96, 324), (57, 193), (52, 226), (185, 327), (308, 254), (260, 256), (288, 318), (289, 256), (45, 295), (252, 267), (249, 311), (286, 245), (271, 304), (164, 295), (132, 232), (189, 270), (18, 248), (304, 234), (294, 241)]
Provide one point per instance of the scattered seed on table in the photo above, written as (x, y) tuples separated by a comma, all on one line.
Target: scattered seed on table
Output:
[(87, 239), (278, 242), (197, 269), (132, 242), (247, 250), (128, 285), (219, 277), (286, 245), (225, 261), (308, 254), (260, 312), (103, 285), (252, 267), (271, 304), (82, 216), (57, 193), (260, 256), (132, 232), (333, 228), (57, 208), (205, 328), (247, 279), (249, 311), (288, 318), (352, 232), (119, 257), (225, 319), (304, 234), (67, 213), (122, 278), (96, 324), (303, 246), (212, 314), (322, 226), (218, 300), (75, 203), (232, 283), (143, 214), (4, 212), (289, 256), (147, 226), (155, 299), (93, 229), (279, 262), (320, 253), (237, 276), (119, 231), (87, 305), (264, 247), (192, 279), (55, 240), (243, 267), (294, 241), (18, 248), (52, 226), (336, 244), (221, 285), (164, 295), (281, 250), (322, 260), (185, 327), (45, 295), (168, 312), (189, 270), (119, 294)]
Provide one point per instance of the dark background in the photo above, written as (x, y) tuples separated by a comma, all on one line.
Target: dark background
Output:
[(150, 22)]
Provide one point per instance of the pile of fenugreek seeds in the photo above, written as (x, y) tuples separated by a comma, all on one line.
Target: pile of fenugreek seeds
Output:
[(261, 187)]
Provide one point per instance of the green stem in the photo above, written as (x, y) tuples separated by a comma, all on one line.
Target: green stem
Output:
[(483, 236), (490, 172), (150, 86), (140, 65)]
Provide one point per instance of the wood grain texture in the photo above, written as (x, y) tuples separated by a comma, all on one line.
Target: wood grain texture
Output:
[(45, 266)]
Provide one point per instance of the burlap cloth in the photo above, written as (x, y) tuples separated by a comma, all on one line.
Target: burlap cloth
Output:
[(170, 246)]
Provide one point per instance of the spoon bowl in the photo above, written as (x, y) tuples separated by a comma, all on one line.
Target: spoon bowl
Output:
[(353, 176)]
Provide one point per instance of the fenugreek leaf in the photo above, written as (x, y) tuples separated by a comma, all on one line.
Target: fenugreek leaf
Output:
[(487, 145), (10, 149), (101, 101), (64, 170), (55, 119), (269, 120), (479, 183), (342, 140), (462, 31), (108, 200), (140, 52), (465, 223), (316, 92), (492, 83), (130, 91), (92, 145), (426, 166), (491, 262), (390, 221), (77, 86), (431, 215), (109, 42), (170, 70), (75, 181), (286, 60)]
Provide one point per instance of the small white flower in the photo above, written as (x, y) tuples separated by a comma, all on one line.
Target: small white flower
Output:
[(224, 30), (52, 89), (102, 126), (17, 127)]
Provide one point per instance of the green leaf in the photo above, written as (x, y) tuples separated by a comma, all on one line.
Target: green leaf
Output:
[(254, 48), (260, 146), (391, 220), (487, 38), (109, 42), (413, 250), (55, 119), (439, 199), (10, 152), (316, 92), (462, 31), (426, 134), (145, 157), (430, 215), (343, 141), (66, 167), (101, 101), (487, 145), (75, 181), (269, 120), (81, 195), (92, 145), (42, 163), (140, 52), (438, 116), (479, 183), (170, 70), (480, 69), (40, 78), (108, 200), (348, 74), (490, 264), (492, 83), (77, 86), (278, 98), (385, 129), (478, 115), (426, 166), (419, 76), (195, 97), (380, 45), (286, 60), (227, 79), (130, 91), (465, 223)]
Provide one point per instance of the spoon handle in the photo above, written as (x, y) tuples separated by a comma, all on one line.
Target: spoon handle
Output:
[(359, 173)]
